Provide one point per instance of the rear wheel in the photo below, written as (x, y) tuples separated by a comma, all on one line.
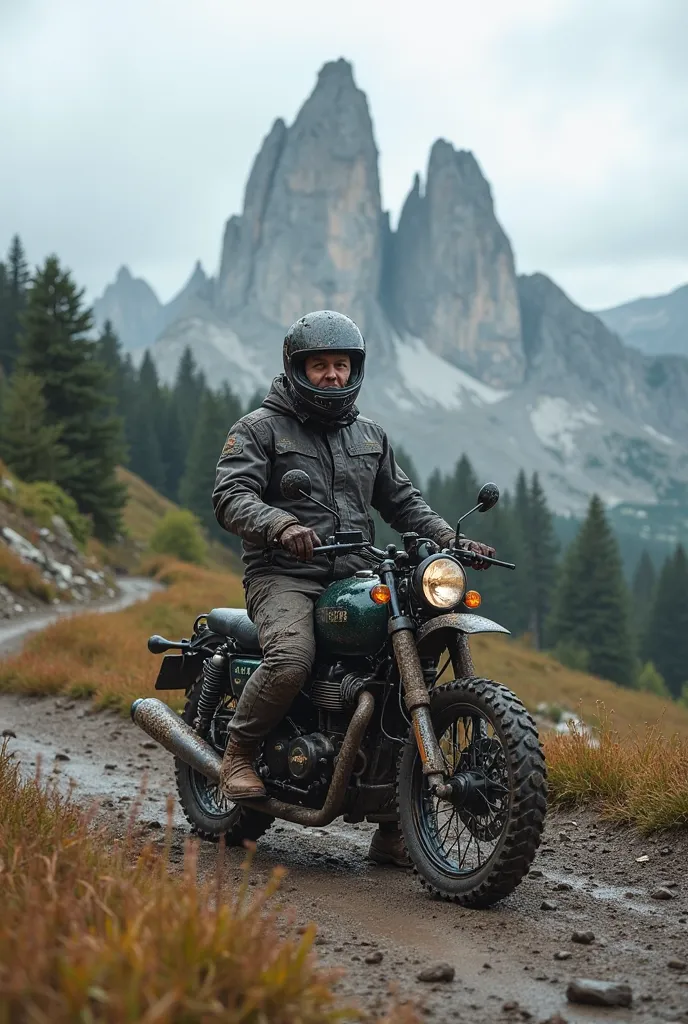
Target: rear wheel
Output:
[(476, 848), (205, 806)]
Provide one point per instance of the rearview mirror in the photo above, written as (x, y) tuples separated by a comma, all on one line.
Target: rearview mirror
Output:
[(295, 484), (488, 496)]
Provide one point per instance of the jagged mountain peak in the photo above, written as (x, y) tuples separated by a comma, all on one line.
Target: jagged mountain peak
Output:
[(340, 72)]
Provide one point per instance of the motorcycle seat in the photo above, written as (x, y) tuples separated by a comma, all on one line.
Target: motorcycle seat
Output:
[(235, 623)]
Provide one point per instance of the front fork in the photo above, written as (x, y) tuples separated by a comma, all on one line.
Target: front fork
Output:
[(416, 696)]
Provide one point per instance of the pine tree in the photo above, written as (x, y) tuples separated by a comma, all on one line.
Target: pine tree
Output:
[(542, 550), (145, 427), (503, 591), (255, 401), (666, 639), (55, 345), (643, 590), (591, 605), (28, 444), (175, 449), (189, 388), (13, 294), (198, 482)]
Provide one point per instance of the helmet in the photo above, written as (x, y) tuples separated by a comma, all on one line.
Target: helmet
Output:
[(324, 330)]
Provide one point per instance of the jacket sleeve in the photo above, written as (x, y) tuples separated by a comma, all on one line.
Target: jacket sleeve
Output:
[(402, 505), (243, 472)]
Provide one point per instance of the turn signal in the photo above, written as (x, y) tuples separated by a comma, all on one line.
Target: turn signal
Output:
[(380, 594), (472, 599)]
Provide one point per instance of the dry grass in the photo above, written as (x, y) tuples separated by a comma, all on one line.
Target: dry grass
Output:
[(641, 779), (538, 678), (101, 932), (20, 577), (105, 656)]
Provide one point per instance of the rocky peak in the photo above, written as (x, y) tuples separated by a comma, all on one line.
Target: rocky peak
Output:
[(453, 281), (310, 235), (243, 234), (132, 307)]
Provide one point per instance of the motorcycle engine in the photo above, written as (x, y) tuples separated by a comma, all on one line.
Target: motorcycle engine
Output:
[(303, 759)]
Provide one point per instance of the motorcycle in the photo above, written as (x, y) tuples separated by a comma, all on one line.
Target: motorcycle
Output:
[(378, 732)]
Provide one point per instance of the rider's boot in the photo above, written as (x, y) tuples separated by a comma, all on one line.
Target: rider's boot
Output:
[(238, 778), (387, 846)]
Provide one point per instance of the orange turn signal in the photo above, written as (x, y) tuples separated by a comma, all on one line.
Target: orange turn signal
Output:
[(380, 594), (472, 599)]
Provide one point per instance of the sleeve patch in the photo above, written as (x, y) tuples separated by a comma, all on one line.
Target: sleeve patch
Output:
[(234, 445)]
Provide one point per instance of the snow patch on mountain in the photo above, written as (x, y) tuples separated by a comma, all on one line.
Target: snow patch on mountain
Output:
[(433, 380), (218, 352), (556, 422), (656, 434)]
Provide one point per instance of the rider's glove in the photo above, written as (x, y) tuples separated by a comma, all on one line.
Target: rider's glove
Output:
[(480, 549), (299, 541)]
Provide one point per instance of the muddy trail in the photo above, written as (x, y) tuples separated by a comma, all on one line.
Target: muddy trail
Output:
[(511, 963)]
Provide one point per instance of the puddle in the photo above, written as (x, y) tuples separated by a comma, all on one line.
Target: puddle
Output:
[(608, 893)]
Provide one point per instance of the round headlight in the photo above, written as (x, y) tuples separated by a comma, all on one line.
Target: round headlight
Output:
[(441, 581)]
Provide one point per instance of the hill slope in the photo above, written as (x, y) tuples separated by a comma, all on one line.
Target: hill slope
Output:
[(144, 509)]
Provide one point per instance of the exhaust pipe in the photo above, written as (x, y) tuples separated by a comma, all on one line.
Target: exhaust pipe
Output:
[(166, 727)]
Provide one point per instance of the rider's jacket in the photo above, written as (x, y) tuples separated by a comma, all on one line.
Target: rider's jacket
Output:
[(351, 466)]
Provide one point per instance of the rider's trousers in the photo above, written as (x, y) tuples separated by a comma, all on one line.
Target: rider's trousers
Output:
[(282, 609)]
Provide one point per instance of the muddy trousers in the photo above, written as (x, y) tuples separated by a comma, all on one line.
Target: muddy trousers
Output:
[(282, 609)]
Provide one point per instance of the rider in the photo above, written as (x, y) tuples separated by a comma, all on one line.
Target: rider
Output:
[(308, 421)]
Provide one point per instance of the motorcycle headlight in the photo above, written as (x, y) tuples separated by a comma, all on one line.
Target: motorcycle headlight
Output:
[(440, 581)]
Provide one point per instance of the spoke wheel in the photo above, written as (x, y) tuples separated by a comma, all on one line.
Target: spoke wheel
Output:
[(476, 848)]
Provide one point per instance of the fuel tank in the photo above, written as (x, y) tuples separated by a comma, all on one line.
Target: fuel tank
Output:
[(348, 621)]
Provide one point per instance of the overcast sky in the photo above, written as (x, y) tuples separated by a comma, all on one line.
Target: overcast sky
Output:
[(128, 129)]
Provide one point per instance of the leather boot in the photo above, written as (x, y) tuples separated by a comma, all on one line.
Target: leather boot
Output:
[(387, 847), (238, 778)]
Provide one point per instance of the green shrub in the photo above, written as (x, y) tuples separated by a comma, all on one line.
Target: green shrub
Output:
[(179, 534), (43, 500), (651, 681)]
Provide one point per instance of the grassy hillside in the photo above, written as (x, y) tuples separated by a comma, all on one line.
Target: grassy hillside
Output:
[(538, 678), (144, 510)]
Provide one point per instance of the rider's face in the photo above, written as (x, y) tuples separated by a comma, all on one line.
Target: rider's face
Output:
[(328, 369)]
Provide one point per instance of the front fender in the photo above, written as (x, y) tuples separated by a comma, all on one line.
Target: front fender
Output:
[(433, 636)]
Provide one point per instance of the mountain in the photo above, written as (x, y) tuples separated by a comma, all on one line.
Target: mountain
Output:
[(464, 355), (137, 314), (656, 325)]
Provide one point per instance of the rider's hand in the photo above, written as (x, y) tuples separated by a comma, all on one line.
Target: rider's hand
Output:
[(299, 541), (480, 549)]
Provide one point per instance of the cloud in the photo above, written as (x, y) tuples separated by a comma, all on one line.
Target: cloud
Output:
[(131, 127)]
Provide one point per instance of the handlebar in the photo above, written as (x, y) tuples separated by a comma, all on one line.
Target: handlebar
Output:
[(462, 556)]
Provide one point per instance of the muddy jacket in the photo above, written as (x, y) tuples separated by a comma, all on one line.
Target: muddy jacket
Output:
[(352, 468)]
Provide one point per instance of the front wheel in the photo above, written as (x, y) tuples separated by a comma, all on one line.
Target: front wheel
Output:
[(476, 848)]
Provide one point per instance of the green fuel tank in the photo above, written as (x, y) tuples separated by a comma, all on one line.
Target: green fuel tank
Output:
[(348, 621)]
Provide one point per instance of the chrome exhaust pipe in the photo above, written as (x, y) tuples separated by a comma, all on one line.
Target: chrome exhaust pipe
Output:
[(166, 727), (169, 730)]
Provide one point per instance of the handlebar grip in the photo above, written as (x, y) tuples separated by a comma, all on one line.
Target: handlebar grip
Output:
[(473, 556)]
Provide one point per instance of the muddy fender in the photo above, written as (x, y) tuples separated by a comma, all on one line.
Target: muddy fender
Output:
[(433, 637)]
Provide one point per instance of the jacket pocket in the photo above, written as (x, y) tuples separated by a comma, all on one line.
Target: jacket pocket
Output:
[(364, 448), (285, 445)]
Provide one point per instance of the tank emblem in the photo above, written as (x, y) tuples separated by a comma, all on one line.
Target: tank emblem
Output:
[(299, 758), (332, 614)]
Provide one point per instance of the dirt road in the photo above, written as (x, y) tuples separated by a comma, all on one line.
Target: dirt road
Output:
[(512, 963)]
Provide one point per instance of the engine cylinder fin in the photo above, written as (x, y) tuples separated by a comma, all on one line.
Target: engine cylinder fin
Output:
[(327, 693)]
